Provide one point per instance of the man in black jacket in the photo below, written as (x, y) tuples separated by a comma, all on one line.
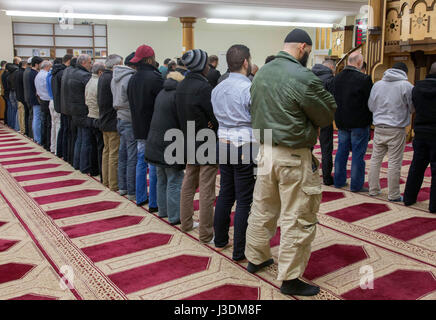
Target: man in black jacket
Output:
[(12, 106), (193, 98), (2, 87), (213, 74), (12, 93), (33, 99), (77, 108), (169, 176), (56, 83), (108, 124), (69, 132), (424, 144), (144, 86), (23, 108), (326, 72), (352, 89), (26, 76)]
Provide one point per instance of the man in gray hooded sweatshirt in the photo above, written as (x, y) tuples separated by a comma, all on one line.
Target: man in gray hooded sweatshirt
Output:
[(392, 106), (128, 149)]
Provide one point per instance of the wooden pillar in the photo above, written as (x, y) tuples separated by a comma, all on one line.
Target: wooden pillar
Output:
[(188, 33), (375, 15)]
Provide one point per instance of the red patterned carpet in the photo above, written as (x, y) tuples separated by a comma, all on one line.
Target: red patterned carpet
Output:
[(56, 223)]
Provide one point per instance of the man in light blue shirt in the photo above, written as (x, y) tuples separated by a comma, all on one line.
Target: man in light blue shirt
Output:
[(231, 106), (44, 97)]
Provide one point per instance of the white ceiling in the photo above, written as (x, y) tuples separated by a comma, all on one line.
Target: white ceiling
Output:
[(323, 11)]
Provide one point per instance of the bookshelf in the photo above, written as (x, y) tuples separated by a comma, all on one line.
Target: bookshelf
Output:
[(49, 40)]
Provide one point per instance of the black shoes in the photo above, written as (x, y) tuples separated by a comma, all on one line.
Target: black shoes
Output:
[(252, 268), (142, 203), (297, 287), (175, 223), (366, 190), (153, 210), (329, 181)]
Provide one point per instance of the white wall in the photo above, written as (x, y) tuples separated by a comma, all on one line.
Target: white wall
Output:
[(263, 41), (164, 37), (6, 42)]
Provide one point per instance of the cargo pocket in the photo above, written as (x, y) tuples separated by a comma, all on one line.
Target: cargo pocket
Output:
[(290, 171), (312, 186)]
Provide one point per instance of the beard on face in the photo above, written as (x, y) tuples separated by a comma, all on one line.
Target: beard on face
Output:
[(304, 59), (250, 68)]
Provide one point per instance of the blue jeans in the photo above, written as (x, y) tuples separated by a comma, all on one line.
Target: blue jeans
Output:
[(357, 141), (169, 186), (13, 111), (127, 155), (141, 178), (82, 150), (36, 123)]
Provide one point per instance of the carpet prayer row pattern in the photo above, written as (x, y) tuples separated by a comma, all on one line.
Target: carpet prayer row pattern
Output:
[(63, 235)]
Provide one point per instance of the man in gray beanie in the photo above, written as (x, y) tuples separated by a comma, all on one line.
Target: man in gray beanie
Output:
[(193, 99)]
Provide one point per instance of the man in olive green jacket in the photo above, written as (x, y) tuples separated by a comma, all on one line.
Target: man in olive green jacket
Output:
[(291, 101)]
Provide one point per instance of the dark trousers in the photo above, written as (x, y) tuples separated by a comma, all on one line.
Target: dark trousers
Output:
[(60, 140), (424, 154), (26, 118), (82, 150), (45, 125), (326, 141), (66, 139), (97, 146), (6, 110), (30, 119), (69, 137), (237, 184)]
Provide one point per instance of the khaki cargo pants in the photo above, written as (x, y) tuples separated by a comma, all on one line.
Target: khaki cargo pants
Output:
[(21, 116), (291, 191), (109, 166)]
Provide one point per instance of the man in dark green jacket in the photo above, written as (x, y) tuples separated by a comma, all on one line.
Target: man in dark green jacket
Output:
[(291, 101)]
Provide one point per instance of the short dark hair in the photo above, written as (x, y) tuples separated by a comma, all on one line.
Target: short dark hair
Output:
[(73, 62), (171, 65), (57, 61), (364, 65), (67, 58), (236, 56), (269, 59), (167, 60), (213, 59), (180, 62), (36, 60), (3, 63)]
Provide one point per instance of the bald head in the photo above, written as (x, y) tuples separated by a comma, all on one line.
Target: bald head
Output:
[(433, 68), (356, 60)]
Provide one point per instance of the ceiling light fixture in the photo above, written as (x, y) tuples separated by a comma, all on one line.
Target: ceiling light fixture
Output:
[(83, 16), (271, 23)]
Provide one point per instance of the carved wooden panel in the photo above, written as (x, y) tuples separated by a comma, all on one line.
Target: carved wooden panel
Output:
[(338, 43), (410, 20), (342, 41), (393, 28)]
